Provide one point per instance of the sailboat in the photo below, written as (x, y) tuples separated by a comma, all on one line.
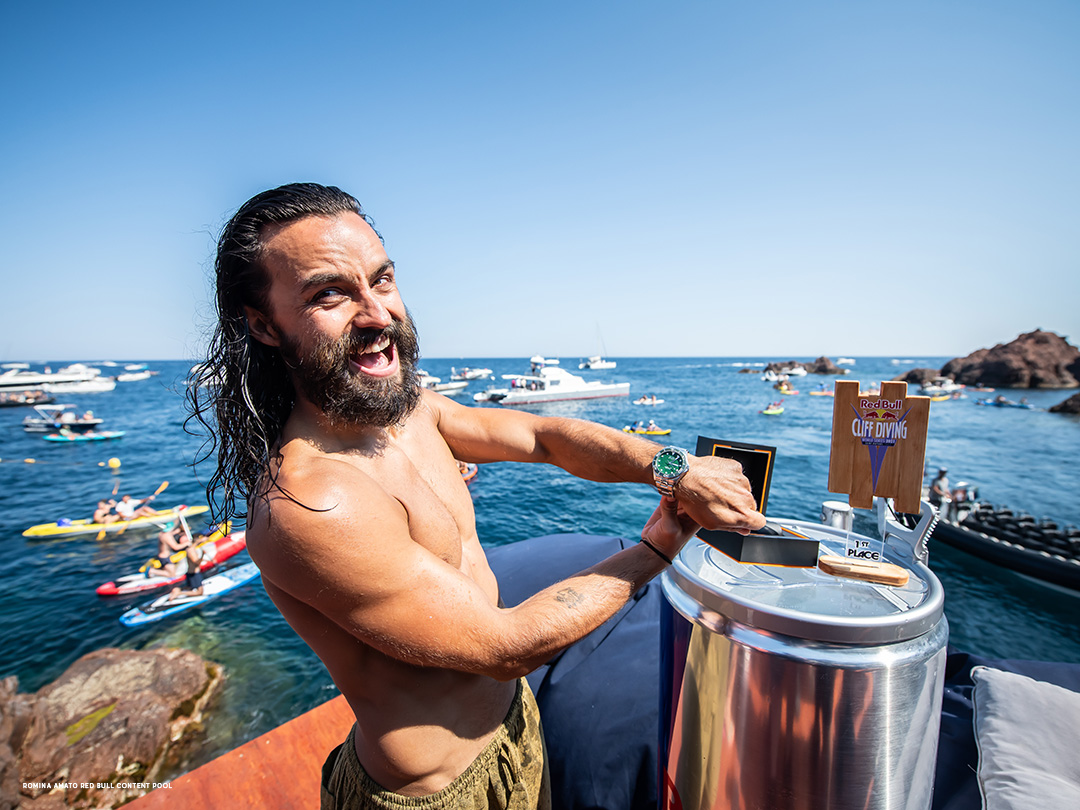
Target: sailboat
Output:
[(597, 361)]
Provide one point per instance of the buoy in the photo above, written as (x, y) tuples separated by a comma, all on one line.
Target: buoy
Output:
[(114, 463), (30, 461)]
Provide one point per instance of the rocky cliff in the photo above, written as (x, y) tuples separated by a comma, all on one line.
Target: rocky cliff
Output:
[(98, 735), (1034, 360)]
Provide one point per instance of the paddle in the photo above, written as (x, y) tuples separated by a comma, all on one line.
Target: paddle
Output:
[(158, 491)]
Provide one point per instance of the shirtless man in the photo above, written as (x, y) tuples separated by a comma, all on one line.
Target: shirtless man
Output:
[(364, 530), (104, 514)]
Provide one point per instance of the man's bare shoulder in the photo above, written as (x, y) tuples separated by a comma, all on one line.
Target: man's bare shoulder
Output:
[(313, 506)]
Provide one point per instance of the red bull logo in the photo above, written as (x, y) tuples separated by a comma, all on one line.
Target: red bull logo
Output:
[(879, 426)]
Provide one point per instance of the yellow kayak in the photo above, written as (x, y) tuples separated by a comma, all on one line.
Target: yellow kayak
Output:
[(72, 528), (643, 432)]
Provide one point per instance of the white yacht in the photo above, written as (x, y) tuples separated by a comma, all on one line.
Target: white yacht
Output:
[(470, 373), (550, 384), (20, 379), (436, 384), (940, 385)]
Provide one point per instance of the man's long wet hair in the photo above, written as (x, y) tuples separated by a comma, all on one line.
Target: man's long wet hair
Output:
[(242, 394)]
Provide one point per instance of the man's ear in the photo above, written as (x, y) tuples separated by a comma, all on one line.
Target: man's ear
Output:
[(260, 327)]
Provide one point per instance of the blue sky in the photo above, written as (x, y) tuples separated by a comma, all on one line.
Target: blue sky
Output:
[(770, 179)]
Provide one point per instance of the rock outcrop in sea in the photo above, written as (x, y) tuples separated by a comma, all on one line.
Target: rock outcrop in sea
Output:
[(918, 376), (1034, 360), (109, 721), (1071, 405), (823, 365)]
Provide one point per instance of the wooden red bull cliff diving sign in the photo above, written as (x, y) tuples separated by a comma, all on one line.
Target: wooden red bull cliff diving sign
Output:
[(878, 445)]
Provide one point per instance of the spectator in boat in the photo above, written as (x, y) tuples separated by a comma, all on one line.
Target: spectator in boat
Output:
[(366, 539), (128, 508), (104, 514), (939, 490)]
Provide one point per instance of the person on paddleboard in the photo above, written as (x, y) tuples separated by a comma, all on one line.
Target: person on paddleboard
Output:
[(361, 525), (193, 578)]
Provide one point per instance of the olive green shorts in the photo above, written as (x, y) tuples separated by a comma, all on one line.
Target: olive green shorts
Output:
[(511, 773)]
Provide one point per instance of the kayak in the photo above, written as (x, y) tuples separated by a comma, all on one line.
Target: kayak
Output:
[(821, 393), (1006, 404), (648, 401), (89, 436), (215, 551), (772, 411), (644, 432), (213, 587), (71, 528)]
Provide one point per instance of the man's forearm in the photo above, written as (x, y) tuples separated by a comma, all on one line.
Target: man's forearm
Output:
[(567, 611), (596, 452)]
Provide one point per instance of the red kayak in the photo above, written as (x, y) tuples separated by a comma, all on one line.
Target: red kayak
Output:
[(214, 551)]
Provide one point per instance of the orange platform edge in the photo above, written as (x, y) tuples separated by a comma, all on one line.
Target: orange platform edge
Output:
[(280, 769)]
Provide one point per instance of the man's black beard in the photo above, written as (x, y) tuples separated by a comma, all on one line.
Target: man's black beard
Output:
[(326, 380)]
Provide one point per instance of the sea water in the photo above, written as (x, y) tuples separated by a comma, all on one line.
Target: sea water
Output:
[(50, 614)]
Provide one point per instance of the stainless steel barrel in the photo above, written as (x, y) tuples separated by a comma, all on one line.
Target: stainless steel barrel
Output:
[(791, 689)]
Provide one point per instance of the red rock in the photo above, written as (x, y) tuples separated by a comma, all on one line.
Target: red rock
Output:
[(1034, 360)]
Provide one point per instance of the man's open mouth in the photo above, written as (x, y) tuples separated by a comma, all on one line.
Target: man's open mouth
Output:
[(376, 359)]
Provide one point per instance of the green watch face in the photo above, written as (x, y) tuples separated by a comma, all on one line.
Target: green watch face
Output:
[(668, 463)]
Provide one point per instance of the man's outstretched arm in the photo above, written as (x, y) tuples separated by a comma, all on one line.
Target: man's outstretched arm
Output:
[(714, 492), (351, 557)]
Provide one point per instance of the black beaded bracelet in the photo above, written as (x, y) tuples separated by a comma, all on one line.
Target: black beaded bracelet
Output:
[(657, 551)]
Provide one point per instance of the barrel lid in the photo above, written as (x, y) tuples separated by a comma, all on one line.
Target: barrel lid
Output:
[(807, 603)]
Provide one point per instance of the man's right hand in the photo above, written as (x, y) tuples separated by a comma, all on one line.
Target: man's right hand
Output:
[(716, 494), (669, 527)]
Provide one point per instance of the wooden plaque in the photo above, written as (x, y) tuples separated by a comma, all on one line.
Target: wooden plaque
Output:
[(878, 445)]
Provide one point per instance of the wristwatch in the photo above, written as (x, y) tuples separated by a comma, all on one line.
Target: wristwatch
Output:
[(668, 468)]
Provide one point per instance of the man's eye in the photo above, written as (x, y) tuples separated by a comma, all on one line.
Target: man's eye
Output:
[(327, 294)]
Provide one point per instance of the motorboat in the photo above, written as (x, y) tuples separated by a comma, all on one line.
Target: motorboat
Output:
[(550, 384), (16, 399), (845, 361), (95, 385), (940, 385), (540, 360), (433, 383), (795, 371), (1035, 548), (134, 376), (467, 373), (596, 362), (21, 379), (55, 417)]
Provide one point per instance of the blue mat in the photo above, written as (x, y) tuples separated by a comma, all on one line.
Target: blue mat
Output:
[(599, 698)]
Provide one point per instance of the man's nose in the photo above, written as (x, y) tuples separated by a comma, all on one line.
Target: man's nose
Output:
[(371, 312)]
